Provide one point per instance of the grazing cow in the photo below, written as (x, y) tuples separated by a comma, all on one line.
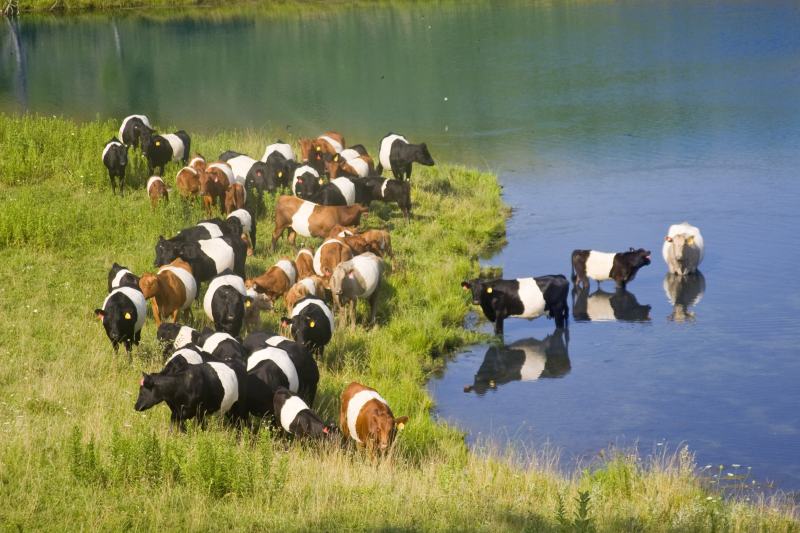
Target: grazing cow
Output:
[(357, 278), (389, 191), (366, 417), (235, 198), (309, 219), (198, 163), (296, 417), (182, 358), (161, 149), (329, 254), (173, 289), (176, 336), (276, 280), (222, 346), (304, 263), (248, 228), (188, 182), (115, 159), (330, 143), (211, 257), (601, 266), (524, 360), (379, 241), (197, 391), (279, 362), (600, 306), (310, 286), (224, 302), (684, 292), (156, 189), (280, 161), (340, 191), (123, 313), (214, 183), (251, 173), (132, 128), (120, 276), (306, 182), (311, 324), (397, 153), (683, 249), (521, 298)]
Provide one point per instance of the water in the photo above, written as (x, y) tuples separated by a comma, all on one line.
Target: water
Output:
[(606, 122)]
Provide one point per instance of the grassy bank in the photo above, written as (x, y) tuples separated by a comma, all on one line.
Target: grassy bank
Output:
[(73, 453)]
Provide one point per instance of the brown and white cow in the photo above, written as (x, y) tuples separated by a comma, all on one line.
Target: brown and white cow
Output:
[(380, 240), (310, 286), (329, 254), (198, 163), (276, 281), (349, 163), (214, 183), (171, 290), (366, 418), (304, 263), (156, 190), (309, 219), (188, 182)]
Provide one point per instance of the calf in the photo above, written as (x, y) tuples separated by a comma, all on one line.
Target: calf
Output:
[(340, 191), (357, 278), (304, 263), (397, 153), (132, 128), (309, 219), (115, 159), (296, 417), (524, 360), (156, 190), (306, 182), (120, 276), (683, 249), (390, 191), (379, 241), (182, 358), (197, 391), (123, 313), (248, 228), (310, 286), (311, 324), (214, 183), (601, 266), (187, 182), (602, 306), (366, 417), (521, 298), (161, 149), (173, 289), (276, 280), (175, 336), (329, 254), (235, 198), (222, 347), (224, 303)]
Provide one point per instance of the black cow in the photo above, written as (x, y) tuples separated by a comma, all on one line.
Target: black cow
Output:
[(396, 153), (115, 159), (176, 336), (208, 257), (601, 266), (521, 298), (280, 169), (340, 191), (306, 181), (123, 313), (180, 359), (600, 305), (386, 190), (120, 276), (225, 302), (132, 129), (256, 173), (161, 149), (311, 324), (524, 360), (197, 391), (222, 346), (296, 417)]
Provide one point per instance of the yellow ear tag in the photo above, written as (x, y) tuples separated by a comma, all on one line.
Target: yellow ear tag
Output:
[(319, 149), (127, 316), (248, 303), (489, 290), (311, 324), (158, 143), (321, 181), (280, 174), (401, 425)]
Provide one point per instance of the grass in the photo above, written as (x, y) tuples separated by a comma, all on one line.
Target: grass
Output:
[(74, 453)]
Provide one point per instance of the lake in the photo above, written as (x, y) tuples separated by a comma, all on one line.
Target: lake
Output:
[(606, 123)]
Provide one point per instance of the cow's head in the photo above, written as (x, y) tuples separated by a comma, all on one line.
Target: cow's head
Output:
[(679, 244), (383, 428), (118, 321), (307, 184), (423, 156), (148, 284), (638, 258), (166, 251), (149, 394), (478, 287)]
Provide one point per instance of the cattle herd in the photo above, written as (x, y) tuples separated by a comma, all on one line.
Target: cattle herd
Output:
[(263, 375)]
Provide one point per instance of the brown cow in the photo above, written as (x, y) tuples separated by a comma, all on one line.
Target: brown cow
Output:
[(188, 182), (214, 183), (366, 418), (329, 254), (276, 281), (309, 219), (304, 263), (156, 189), (198, 163), (359, 166), (379, 241), (172, 289), (234, 198), (313, 285)]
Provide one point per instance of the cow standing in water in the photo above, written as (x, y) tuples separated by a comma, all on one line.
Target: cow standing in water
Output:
[(601, 266)]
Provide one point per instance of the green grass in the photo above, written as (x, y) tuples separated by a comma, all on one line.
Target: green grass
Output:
[(74, 453)]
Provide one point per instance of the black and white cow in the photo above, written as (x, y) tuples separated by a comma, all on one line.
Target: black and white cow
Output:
[(253, 173), (225, 301), (340, 191), (311, 324), (115, 159), (601, 266), (296, 417), (123, 313), (396, 153), (602, 306), (248, 223), (161, 149), (281, 161), (209, 388), (521, 298), (389, 191), (211, 257), (279, 362), (524, 360), (222, 346), (132, 129), (306, 182), (182, 358), (120, 276), (174, 336)]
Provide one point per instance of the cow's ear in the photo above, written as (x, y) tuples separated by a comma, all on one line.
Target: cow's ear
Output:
[(465, 285), (668, 238), (99, 313), (690, 240), (336, 158), (400, 422), (248, 302), (285, 321)]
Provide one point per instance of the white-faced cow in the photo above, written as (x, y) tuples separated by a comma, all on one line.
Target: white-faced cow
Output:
[(601, 266), (115, 159), (683, 249), (396, 153)]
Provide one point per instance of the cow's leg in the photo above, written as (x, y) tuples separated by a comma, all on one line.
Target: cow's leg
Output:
[(292, 237), (373, 306), (558, 313), (408, 172), (113, 184), (397, 171), (276, 234), (156, 312), (498, 324)]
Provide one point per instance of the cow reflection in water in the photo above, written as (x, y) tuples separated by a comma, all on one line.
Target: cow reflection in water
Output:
[(600, 305), (524, 360), (684, 292)]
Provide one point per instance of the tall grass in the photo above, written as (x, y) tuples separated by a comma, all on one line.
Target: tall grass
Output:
[(74, 453)]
